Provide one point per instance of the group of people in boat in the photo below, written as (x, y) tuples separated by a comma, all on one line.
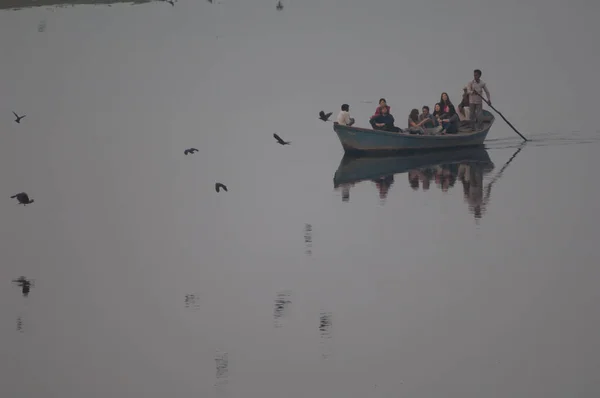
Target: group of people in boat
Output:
[(445, 118)]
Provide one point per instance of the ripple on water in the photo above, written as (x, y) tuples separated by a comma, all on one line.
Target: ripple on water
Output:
[(545, 139)]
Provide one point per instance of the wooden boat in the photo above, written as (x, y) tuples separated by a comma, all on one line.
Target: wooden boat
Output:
[(21, 4), (357, 139), (354, 169)]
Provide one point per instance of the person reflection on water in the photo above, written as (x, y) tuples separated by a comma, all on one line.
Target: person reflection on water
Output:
[(471, 177), (383, 185), (346, 193), (345, 188), (445, 176), (419, 175)]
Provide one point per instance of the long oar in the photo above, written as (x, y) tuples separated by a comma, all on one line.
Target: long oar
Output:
[(502, 116)]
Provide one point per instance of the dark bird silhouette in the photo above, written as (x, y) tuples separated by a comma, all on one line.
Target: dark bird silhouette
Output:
[(23, 198), (18, 118), (218, 186), (279, 6), (24, 284), (325, 116), (190, 150), (280, 140), (171, 2)]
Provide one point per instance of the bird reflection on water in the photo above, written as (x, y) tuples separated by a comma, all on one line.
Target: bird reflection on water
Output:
[(282, 303), (325, 330), (222, 367), (443, 169), (308, 239), (192, 301)]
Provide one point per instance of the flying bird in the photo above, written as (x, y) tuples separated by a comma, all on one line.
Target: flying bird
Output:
[(24, 284), (190, 150), (325, 116), (280, 140), (18, 118), (23, 198), (279, 6), (218, 186), (171, 2)]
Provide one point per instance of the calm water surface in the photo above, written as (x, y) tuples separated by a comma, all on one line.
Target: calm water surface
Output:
[(314, 275)]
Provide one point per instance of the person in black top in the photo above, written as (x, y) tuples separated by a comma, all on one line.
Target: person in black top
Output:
[(450, 121), (384, 121)]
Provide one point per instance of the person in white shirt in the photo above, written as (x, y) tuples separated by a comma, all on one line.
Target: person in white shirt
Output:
[(344, 116), (475, 89)]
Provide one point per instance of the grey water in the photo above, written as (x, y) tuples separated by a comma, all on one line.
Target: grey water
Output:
[(442, 280)]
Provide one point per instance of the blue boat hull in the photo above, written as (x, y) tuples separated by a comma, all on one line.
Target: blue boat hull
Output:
[(353, 169), (361, 140)]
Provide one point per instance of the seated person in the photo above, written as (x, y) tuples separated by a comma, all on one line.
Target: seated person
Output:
[(445, 103), (430, 121), (437, 112), (385, 121), (414, 125), (450, 121), (463, 107), (344, 116), (382, 104)]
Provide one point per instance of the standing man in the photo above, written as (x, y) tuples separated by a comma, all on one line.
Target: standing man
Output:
[(476, 86)]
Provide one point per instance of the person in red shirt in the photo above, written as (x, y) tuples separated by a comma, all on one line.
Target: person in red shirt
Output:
[(382, 103)]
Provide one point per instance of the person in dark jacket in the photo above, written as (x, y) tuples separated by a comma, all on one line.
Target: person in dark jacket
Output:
[(445, 102), (384, 121), (450, 121)]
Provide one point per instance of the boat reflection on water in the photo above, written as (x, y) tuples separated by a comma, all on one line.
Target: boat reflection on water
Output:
[(442, 168)]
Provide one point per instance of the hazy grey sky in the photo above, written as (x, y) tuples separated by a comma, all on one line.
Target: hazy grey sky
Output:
[(124, 225)]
